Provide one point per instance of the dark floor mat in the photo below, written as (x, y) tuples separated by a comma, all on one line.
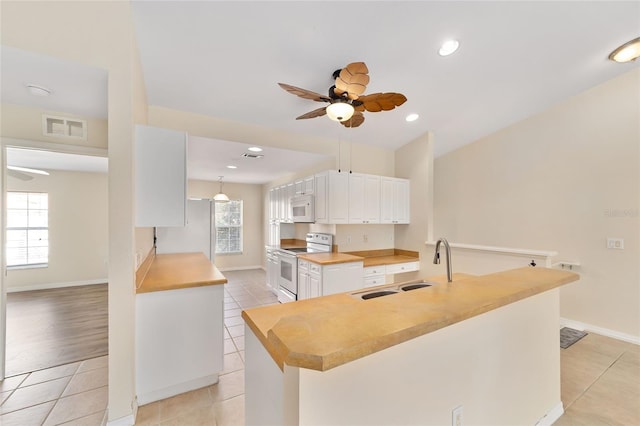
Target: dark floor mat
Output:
[(568, 336)]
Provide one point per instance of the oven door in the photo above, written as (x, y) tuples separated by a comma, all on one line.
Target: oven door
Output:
[(287, 277)]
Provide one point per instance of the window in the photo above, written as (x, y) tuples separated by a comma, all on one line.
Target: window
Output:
[(229, 227), (27, 228)]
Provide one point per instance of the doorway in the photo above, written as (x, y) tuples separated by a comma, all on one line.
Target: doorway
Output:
[(56, 237)]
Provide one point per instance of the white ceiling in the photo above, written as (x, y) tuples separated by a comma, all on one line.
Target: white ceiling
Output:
[(225, 59)]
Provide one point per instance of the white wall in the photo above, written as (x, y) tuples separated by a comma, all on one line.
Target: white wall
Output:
[(252, 221), (100, 34), (563, 180), (78, 231)]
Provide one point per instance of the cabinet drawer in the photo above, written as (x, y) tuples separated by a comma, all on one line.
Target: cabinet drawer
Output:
[(374, 280), (314, 267), (399, 268), (374, 270), (303, 264)]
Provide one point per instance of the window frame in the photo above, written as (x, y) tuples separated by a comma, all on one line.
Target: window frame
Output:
[(240, 226), (27, 228)]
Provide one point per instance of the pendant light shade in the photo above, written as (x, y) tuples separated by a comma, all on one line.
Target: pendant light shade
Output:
[(340, 111), (221, 197)]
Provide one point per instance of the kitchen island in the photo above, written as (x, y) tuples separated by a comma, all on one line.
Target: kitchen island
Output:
[(488, 343), (179, 325)]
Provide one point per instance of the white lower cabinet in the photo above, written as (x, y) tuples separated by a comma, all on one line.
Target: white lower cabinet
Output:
[(316, 280), (272, 271)]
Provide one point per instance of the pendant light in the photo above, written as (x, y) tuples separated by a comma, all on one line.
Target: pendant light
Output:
[(221, 197)]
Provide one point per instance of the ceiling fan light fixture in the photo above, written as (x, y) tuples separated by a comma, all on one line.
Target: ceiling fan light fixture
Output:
[(340, 111), (448, 47), (28, 170), (630, 51), (255, 149)]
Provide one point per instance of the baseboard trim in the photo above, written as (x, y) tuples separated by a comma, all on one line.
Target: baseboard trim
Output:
[(239, 268), (553, 415), (48, 286), (577, 325), (123, 421), (157, 395)]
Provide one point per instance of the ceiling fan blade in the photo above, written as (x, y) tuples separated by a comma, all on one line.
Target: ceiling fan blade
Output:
[(304, 93), (356, 119), (19, 175), (313, 114), (376, 102), (353, 80)]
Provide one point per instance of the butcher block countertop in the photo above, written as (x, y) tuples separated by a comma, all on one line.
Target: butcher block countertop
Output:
[(180, 270), (326, 332), (386, 256), (330, 258)]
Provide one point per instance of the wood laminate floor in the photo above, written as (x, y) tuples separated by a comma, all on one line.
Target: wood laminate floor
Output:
[(47, 328)]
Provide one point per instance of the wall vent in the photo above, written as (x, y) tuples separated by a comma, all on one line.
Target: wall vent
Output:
[(249, 155), (64, 127)]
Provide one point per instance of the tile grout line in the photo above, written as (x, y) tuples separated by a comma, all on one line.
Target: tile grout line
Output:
[(594, 381)]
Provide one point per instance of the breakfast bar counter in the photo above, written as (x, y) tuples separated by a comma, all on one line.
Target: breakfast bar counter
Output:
[(489, 342), (179, 325)]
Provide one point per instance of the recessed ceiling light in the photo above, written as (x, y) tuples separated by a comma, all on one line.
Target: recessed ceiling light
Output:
[(25, 169), (36, 90), (448, 47), (412, 117), (255, 149), (630, 51), (232, 167)]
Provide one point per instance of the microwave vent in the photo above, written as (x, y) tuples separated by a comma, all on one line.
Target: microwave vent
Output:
[(250, 155)]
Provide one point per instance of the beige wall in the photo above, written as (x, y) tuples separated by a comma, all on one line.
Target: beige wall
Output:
[(100, 34), (23, 122), (78, 232), (252, 221), (564, 180)]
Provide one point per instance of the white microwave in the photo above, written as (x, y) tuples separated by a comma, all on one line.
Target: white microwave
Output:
[(302, 209)]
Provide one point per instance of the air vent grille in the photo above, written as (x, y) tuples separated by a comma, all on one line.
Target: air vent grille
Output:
[(249, 155)]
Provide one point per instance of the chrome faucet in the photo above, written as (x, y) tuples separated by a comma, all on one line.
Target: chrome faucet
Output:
[(436, 257)]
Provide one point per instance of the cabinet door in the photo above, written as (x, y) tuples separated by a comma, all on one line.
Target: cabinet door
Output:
[(308, 184), (160, 177), (289, 192), (386, 200), (356, 198), (321, 189), (303, 285), (371, 211), (314, 285), (338, 197), (401, 201)]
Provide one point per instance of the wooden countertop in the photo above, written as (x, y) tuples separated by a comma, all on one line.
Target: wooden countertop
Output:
[(325, 332), (180, 270), (386, 256), (330, 258)]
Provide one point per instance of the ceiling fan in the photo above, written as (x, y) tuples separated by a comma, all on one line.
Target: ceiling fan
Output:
[(346, 99), (24, 173)]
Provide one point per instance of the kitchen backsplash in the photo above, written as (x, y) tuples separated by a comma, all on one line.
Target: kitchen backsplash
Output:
[(351, 237)]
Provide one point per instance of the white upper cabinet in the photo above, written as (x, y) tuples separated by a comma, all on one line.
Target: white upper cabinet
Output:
[(160, 177), (364, 198), (394, 200), (321, 188), (338, 196), (304, 186)]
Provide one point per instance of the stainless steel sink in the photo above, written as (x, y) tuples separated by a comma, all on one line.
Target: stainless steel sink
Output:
[(391, 289), (378, 293)]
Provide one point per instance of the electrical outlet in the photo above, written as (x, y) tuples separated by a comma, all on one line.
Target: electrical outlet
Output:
[(348, 239), (365, 238), (456, 416), (615, 243)]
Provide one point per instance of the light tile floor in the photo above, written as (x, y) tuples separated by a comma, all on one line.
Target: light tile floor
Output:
[(600, 381)]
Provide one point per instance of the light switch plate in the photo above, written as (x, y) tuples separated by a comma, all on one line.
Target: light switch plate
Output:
[(615, 243)]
